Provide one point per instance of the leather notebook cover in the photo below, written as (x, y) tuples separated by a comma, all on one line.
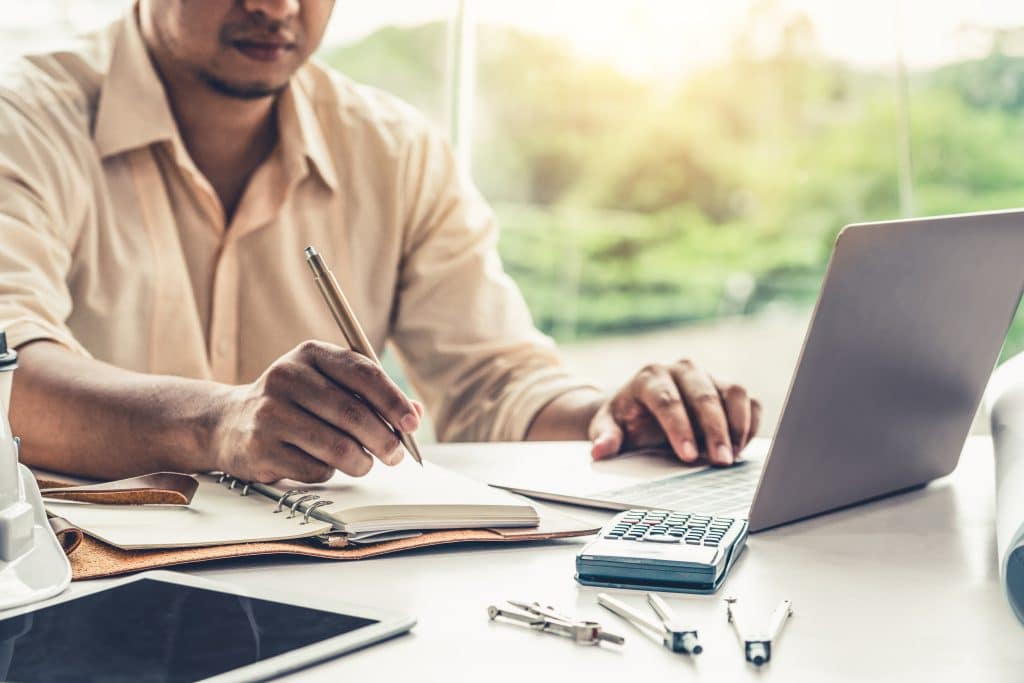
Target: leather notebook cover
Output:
[(93, 559)]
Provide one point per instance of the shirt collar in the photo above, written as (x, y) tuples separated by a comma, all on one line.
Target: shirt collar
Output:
[(133, 110), (302, 135)]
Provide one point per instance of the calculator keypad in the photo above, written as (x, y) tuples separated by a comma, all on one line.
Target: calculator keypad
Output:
[(660, 526)]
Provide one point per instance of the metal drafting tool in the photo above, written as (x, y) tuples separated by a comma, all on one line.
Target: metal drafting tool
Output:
[(757, 645), (673, 635), (547, 619)]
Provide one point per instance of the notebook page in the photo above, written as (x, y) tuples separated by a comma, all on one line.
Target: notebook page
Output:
[(217, 516), (409, 496)]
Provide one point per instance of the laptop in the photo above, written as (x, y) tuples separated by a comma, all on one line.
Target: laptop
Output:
[(908, 327)]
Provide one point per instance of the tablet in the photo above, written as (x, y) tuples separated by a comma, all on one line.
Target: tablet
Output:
[(170, 627)]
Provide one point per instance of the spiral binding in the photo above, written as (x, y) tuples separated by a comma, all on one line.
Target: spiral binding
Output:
[(313, 500)]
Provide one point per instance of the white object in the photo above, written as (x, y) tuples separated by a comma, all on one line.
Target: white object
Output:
[(388, 624), (1006, 405), (33, 565)]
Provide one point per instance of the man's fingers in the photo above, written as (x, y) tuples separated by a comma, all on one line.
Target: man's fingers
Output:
[(330, 445), (338, 410), (362, 376), (700, 394), (605, 434), (661, 397), (737, 412), (319, 440), (755, 418), (288, 462)]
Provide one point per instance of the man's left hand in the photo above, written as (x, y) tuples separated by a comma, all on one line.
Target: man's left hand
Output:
[(678, 405)]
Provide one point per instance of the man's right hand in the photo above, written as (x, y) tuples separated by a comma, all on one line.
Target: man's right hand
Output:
[(317, 409)]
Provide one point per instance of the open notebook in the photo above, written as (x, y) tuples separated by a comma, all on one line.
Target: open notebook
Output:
[(387, 503)]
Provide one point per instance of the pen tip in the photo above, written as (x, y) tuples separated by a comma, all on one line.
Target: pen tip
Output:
[(310, 251)]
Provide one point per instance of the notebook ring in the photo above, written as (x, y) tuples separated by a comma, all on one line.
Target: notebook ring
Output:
[(285, 496), (298, 501), (222, 477), (231, 486), (245, 489), (314, 506)]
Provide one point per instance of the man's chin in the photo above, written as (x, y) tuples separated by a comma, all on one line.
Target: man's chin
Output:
[(242, 90)]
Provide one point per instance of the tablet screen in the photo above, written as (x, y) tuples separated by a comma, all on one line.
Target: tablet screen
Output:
[(150, 630)]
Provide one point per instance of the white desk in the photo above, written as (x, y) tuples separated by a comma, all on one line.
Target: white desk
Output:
[(897, 590)]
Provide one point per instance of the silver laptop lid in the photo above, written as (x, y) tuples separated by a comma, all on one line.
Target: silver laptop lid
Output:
[(907, 330)]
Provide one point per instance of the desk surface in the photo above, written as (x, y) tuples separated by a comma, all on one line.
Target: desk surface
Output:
[(904, 588)]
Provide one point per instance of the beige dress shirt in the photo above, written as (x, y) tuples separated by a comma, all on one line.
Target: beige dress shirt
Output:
[(113, 244)]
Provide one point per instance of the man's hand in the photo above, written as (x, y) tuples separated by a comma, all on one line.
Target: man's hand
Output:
[(679, 405), (316, 409)]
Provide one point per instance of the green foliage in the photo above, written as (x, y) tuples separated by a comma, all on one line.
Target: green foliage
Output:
[(406, 61), (627, 204)]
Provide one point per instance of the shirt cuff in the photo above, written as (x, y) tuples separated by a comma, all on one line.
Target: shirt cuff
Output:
[(23, 331), (520, 407)]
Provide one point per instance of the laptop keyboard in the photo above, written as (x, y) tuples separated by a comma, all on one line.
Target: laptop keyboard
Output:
[(715, 491)]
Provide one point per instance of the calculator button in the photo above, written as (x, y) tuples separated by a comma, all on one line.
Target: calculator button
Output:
[(712, 544), (692, 541), (661, 538)]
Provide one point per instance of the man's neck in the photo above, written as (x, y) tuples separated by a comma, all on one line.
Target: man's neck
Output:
[(227, 138)]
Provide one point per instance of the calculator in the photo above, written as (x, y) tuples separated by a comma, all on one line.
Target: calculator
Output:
[(663, 550)]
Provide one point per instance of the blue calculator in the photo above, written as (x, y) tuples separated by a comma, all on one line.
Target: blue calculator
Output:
[(662, 550)]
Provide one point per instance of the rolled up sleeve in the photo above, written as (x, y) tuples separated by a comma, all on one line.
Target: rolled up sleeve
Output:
[(35, 256), (461, 326)]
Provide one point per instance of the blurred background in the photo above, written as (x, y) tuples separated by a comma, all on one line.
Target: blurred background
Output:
[(670, 175)]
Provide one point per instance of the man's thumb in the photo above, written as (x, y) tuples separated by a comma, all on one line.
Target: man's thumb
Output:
[(605, 435)]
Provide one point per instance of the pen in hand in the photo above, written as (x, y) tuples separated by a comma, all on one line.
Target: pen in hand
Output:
[(354, 335)]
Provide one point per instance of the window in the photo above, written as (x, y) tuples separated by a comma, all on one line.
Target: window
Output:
[(670, 178)]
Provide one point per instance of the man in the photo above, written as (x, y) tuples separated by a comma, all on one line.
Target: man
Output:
[(158, 183)]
